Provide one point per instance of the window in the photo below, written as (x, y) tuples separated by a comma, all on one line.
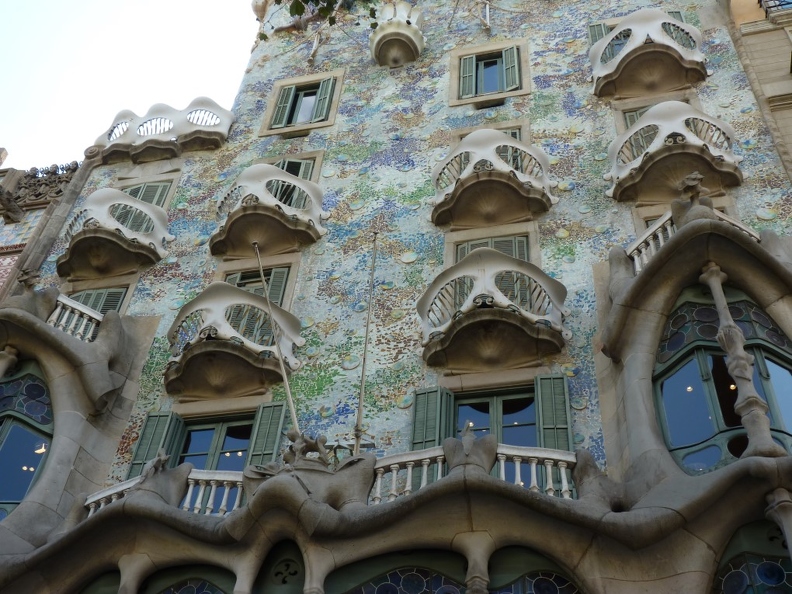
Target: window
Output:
[(599, 30), (289, 194), (695, 393), (212, 444), (26, 423), (303, 103), (514, 246), (101, 300), (134, 219), (513, 285), (246, 319), (487, 74)]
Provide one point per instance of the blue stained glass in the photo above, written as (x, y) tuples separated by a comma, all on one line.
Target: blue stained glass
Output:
[(29, 396), (771, 573), (755, 574), (735, 583), (193, 586)]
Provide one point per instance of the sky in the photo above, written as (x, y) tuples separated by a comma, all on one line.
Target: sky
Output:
[(67, 68)]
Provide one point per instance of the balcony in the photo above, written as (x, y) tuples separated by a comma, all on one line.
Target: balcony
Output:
[(223, 345), (272, 207), (398, 38), (669, 142), (491, 179), (163, 133), (491, 311), (75, 319), (647, 52), (539, 470), (113, 234)]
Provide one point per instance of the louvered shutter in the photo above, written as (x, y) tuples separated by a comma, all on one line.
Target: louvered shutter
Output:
[(597, 32), (277, 284), (154, 193), (676, 14), (553, 420), (433, 418), (467, 77), (266, 435), (306, 168), (511, 68), (101, 300), (321, 108), (283, 107), (160, 431), (630, 117)]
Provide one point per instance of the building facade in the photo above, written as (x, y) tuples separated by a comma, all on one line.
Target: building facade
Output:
[(525, 266)]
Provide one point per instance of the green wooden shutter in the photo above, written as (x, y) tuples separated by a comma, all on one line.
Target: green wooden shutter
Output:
[(283, 107), (433, 418), (676, 14), (553, 420), (321, 108), (467, 77), (511, 68), (153, 193), (632, 116), (266, 435), (135, 191), (306, 168), (277, 284), (597, 32), (101, 300), (515, 133), (160, 431)]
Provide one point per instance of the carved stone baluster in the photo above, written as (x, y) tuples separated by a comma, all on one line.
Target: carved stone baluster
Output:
[(408, 486), (534, 482), (54, 319), (199, 499), (424, 472), (517, 470), (212, 493), (749, 405), (224, 503), (63, 316), (440, 462), (188, 497), (91, 508), (502, 466), (394, 477), (549, 484), (378, 486), (238, 500), (566, 492)]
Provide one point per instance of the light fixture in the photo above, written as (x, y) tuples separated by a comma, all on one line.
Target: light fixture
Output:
[(31, 469), (690, 388), (227, 454), (470, 423), (41, 448), (239, 454), (732, 387), (24, 468)]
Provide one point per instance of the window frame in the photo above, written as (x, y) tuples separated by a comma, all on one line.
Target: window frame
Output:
[(316, 156), (621, 107), (529, 229), (460, 60), (127, 215), (127, 280), (290, 260), (291, 86)]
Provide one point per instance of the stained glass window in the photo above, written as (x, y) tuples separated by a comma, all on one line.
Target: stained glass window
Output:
[(755, 574), (193, 586)]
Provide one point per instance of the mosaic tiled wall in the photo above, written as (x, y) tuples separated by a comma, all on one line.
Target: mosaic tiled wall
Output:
[(391, 130)]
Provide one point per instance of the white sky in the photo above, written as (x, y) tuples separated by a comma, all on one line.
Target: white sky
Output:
[(67, 68)]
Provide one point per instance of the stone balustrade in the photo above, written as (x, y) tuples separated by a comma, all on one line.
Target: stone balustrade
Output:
[(75, 319), (643, 249), (271, 187), (486, 278), (115, 210), (225, 312)]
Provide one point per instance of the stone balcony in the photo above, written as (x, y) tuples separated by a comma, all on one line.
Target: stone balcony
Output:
[(671, 140), (272, 207), (223, 345), (491, 311), (647, 52), (113, 234), (163, 133), (398, 38), (491, 179)]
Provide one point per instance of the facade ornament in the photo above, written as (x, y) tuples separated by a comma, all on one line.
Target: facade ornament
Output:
[(155, 465), (749, 405), (470, 453), (28, 278)]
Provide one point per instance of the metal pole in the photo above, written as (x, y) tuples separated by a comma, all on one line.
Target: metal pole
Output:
[(276, 340), (359, 423)]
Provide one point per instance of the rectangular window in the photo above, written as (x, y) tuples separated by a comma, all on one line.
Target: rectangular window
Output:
[(289, 194), (307, 104), (489, 73), (514, 286), (249, 321), (101, 300), (134, 219), (599, 30)]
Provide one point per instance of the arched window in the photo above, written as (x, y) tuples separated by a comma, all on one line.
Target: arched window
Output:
[(193, 586), (694, 391), (25, 432), (752, 574)]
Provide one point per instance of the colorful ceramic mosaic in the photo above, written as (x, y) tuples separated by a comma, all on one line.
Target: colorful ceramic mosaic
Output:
[(391, 129)]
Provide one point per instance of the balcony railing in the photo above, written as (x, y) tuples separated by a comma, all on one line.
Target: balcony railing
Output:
[(218, 492), (643, 249), (134, 219), (272, 187), (75, 319), (491, 150), (668, 124), (225, 312), (488, 278), (646, 30)]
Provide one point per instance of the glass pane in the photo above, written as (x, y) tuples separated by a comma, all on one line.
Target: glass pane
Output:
[(20, 455), (725, 389), (519, 411), (476, 415), (305, 106), (520, 435), (198, 440), (684, 402), (781, 380), (237, 437), (489, 73), (703, 459), (232, 460)]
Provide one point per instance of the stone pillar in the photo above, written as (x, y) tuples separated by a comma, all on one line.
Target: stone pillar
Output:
[(8, 358), (749, 405), (779, 510)]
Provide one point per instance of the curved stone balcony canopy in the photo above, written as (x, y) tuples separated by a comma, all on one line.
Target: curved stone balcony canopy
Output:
[(114, 234), (272, 207), (492, 311), (223, 345), (490, 179), (398, 38), (667, 143), (647, 52), (164, 132)]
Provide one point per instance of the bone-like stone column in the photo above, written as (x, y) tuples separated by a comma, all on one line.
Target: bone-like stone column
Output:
[(779, 510), (749, 405)]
